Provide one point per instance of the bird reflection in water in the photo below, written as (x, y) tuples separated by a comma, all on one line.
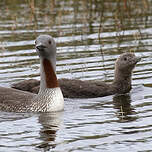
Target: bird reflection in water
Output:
[(50, 125), (125, 111)]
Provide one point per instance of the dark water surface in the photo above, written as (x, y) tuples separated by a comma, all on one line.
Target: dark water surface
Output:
[(90, 35)]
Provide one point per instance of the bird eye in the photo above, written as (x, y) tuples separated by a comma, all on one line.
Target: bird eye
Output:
[(50, 42), (125, 58)]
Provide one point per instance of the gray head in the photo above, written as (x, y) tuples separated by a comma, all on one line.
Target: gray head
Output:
[(126, 62), (46, 48)]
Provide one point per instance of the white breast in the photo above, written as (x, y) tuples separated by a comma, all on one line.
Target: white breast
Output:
[(48, 100)]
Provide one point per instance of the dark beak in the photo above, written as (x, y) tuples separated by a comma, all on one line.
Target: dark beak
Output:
[(40, 47), (138, 59)]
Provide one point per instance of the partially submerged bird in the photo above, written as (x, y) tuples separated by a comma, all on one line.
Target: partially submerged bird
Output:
[(49, 97), (71, 88)]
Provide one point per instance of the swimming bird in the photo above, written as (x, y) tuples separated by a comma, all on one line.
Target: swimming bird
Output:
[(73, 88), (49, 97)]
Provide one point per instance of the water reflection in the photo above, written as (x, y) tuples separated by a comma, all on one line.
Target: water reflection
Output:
[(50, 125), (36, 131), (125, 111)]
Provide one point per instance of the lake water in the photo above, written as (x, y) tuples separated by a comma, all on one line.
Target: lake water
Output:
[(90, 35)]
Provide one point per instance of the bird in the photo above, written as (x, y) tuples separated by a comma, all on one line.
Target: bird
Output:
[(49, 97), (73, 88)]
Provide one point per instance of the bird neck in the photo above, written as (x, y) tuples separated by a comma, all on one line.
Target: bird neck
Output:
[(122, 81), (48, 75)]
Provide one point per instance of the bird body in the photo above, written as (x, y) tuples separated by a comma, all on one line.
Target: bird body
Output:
[(73, 88), (49, 97)]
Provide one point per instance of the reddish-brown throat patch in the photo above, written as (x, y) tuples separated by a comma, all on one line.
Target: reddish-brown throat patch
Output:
[(50, 76)]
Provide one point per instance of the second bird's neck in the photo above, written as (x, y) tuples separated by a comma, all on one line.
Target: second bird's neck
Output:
[(122, 82)]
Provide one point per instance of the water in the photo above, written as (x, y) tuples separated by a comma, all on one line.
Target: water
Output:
[(90, 35)]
